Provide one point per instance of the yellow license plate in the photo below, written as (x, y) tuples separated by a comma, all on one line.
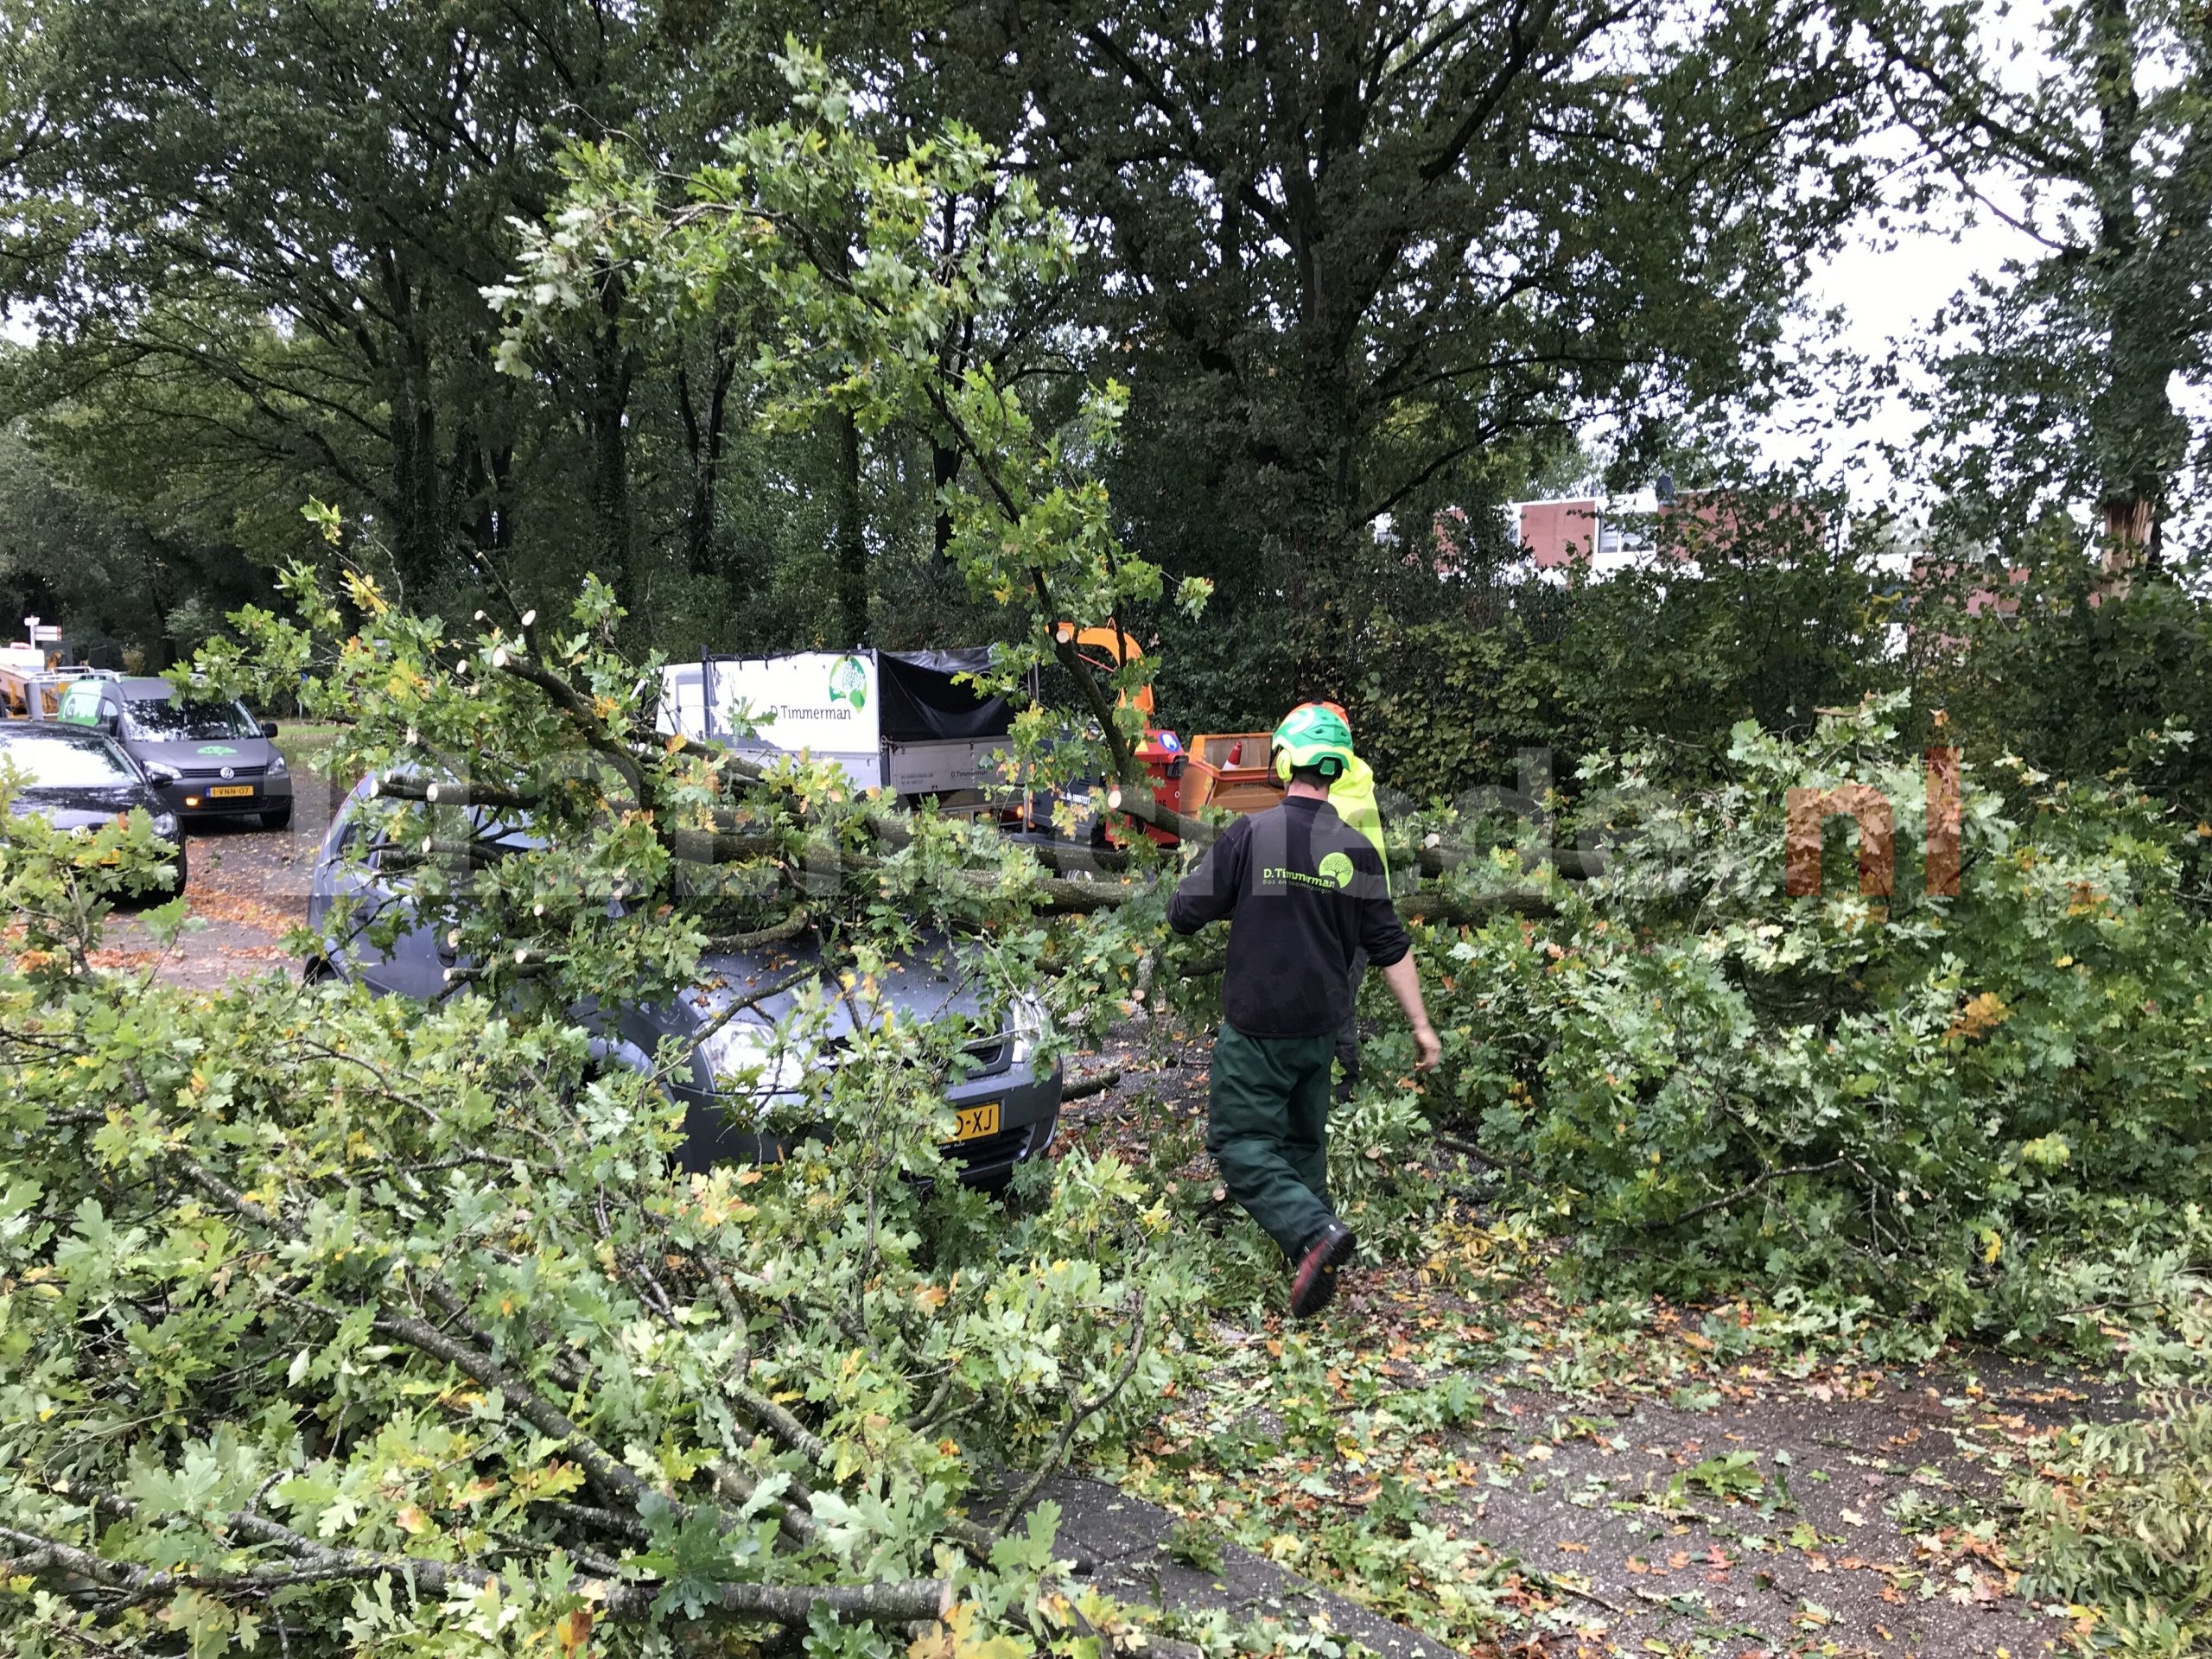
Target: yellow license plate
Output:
[(976, 1122), (225, 792)]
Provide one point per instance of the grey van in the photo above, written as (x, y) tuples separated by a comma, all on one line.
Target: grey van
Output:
[(204, 757)]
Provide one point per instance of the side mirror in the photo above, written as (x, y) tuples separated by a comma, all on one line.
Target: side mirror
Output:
[(268, 728), (110, 723)]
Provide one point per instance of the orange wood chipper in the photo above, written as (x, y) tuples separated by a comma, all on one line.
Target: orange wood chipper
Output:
[(1228, 770)]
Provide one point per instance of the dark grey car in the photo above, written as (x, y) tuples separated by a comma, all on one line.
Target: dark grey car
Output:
[(206, 758), (81, 780), (1007, 1102)]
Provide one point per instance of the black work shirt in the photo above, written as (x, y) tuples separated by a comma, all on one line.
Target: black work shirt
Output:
[(1304, 891)]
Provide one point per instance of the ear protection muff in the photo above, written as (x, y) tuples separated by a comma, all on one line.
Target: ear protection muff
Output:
[(1328, 767)]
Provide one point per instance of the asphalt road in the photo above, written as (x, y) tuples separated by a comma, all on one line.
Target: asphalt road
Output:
[(248, 888)]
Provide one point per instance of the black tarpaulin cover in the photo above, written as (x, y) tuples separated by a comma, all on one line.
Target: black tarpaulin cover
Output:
[(921, 702)]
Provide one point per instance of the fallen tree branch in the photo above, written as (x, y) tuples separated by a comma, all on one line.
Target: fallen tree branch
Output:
[(589, 725), (1191, 832), (714, 754), (1065, 857), (795, 1521), (433, 850), (404, 786), (779, 1422), (321, 1563), (790, 928), (1065, 897), (607, 1473), (719, 846), (1744, 1192), (43, 1555), (523, 966), (938, 1401), (1469, 1149), (1451, 910), (469, 793), (1436, 857), (889, 1602), (1083, 1413), (1094, 1082), (773, 989), (614, 1521)]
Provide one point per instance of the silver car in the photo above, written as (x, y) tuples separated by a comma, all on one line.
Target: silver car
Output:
[(1006, 1098)]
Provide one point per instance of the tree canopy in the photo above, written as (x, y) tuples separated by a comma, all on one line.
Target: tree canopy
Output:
[(2063, 378)]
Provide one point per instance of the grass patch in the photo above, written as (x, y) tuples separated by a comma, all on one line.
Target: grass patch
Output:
[(306, 744)]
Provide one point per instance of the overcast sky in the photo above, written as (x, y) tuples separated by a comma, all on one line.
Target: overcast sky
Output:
[(1887, 291)]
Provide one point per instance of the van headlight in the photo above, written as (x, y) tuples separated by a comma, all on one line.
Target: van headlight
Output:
[(1027, 1024), (161, 775), (277, 768)]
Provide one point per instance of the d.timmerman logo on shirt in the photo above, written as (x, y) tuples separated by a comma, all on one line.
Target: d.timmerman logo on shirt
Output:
[(1335, 874)]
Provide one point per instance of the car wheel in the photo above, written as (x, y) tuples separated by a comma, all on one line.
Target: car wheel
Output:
[(318, 970), (278, 817)]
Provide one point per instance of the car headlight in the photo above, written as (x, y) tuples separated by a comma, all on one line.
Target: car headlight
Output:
[(165, 825), (162, 776), (277, 768), (1028, 1024), (756, 1063)]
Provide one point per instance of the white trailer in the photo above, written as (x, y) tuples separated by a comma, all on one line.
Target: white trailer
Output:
[(897, 720)]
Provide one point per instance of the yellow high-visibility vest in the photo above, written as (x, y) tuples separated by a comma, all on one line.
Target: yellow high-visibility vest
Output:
[(1353, 796)]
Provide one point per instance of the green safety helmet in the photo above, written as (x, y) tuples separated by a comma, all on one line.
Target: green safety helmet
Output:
[(1313, 734)]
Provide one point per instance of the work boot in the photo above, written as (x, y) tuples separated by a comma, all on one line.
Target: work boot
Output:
[(1315, 1281)]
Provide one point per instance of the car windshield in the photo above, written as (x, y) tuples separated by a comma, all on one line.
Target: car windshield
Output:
[(180, 722), (64, 763)]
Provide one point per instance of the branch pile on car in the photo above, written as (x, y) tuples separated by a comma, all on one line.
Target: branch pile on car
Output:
[(753, 814)]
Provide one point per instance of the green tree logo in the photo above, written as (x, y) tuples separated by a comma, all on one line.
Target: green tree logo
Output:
[(1337, 866), (849, 681)]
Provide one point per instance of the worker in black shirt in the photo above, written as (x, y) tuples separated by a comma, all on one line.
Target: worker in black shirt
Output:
[(1303, 893)]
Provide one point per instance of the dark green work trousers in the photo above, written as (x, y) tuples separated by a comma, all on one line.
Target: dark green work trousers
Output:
[(1268, 1127)]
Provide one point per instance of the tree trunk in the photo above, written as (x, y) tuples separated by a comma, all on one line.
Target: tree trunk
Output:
[(952, 359), (852, 533), (419, 533), (608, 433), (704, 431), (945, 467), (2139, 437), (610, 491), (502, 462), (419, 545)]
